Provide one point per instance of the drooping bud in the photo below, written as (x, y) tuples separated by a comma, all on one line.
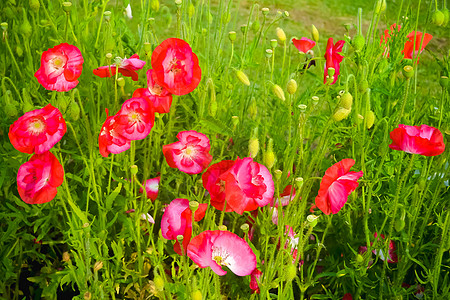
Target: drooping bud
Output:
[(25, 27), (408, 72), (191, 10), (346, 100), (363, 86), (278, 91), (370, 119), (154, 4), (35, 5), (358, 42), (121, 81), (314, 33), (253, 109), (255, 26), (291, 86), (380, 6), (269, 155), (281, 35), (74, 111), (226, 17), (444, 24), (253, 144), (340, 114), (242, 77), (438, 18)]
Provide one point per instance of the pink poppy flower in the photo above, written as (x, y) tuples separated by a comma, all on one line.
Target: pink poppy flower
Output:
[(392, 255), (424, 140), (60, 68), (303, 44), (176, 67), (177, 220), (190, 154), (37, 130), (151, 188), (157, 95), (333, 58), (215, 185), (217, 248), (248, 185), (412, 48), (110, 140), (254, 280), (127, 67), (135, 119), (38, 178), (336, 185)]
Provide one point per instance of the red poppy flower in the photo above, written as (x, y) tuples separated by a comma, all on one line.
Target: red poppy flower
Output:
[(303, 44), (215, 185), (151, 188), (37, 130), (248, 185), (157, 95), (60, 68), (217, 248), (177, 220), (388, 33), (336, 185), (110, 140), (176, 67), (254, 279), (412, 47), (333, 58), (191, 154), (38, 178), (424, 140), (127, 67), (135, 119)]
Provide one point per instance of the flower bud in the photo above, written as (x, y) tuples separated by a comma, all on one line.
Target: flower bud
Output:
[(232, 36), (253, 146), (213, 107), (273, 43), (196, 295), (67, 6), (222, 228), (245, 227), (265, 11), (340, 114), (159, 283), (363, 86), (359, 259), (408, 71), (98, 265), (134, 169), (438, 18), (242, 77), (278, 91), (314, 33), (399, 225), (226, 17), (380, 6), (121, 81), (255, 26), (269, 155), (19, 50), (74, 111), (291, 272), (291, 86), (281, 35), (25, 28), (154, 4), (358, 42), (346, 100), (35, 5), (370, 119), (444, 24)]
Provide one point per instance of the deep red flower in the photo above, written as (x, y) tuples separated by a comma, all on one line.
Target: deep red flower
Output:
[(217, 248), (254, 280), (38, 178), (336, 185), (347, 296), (333, 58), (157, 95), (177, 220), (60, 68), (176, 67), (135, 119), (423, 140), (110, 140), (126, 67), (216, 186), (412, 47), (37, 130), (303, 44), (191, 154)]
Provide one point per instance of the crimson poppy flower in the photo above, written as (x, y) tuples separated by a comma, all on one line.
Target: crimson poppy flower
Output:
[(126, 67), (215, 185), (412, 47), (176, 67), (177, 220), (38, 178), (110, 140), (135, 119), (151, 188), (37, 130), (254, 279), (333, 58), (157, 95), (424, 140), (303, 44), (347, 296), (336, 185), (60, 68), (217, 248), (248, 185), (190, 154)]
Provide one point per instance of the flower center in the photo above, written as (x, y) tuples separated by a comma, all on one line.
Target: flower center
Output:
[(58, 62), (36, 126), (189, 151), (220, 256), (135, 117), (175, 66)]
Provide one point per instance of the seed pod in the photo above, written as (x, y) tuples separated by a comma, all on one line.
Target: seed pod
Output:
[(443, 81), (408, 72), (242, 77), (346, 100), (370, 119), (278, 91), (340, 114), (273, 43)]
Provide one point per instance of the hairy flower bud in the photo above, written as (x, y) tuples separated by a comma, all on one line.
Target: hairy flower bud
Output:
[(340, 114), (358, 42), (74, 110), (154, 4), (380, 6), (278, 91), (370, 119), (314, 33), (363, 86), (444, 24), (35, 5), (255, 26), (269, 155), (253, 147), (281, 35), (346, 100), (159, 283), (291, 272), (242, 77), (438, 18), (291, 86)]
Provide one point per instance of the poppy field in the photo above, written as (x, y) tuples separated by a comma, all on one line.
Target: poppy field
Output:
[(192, 149)]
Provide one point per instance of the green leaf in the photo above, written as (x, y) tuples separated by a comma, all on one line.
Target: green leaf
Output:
[(112, 197), (215, 126)]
